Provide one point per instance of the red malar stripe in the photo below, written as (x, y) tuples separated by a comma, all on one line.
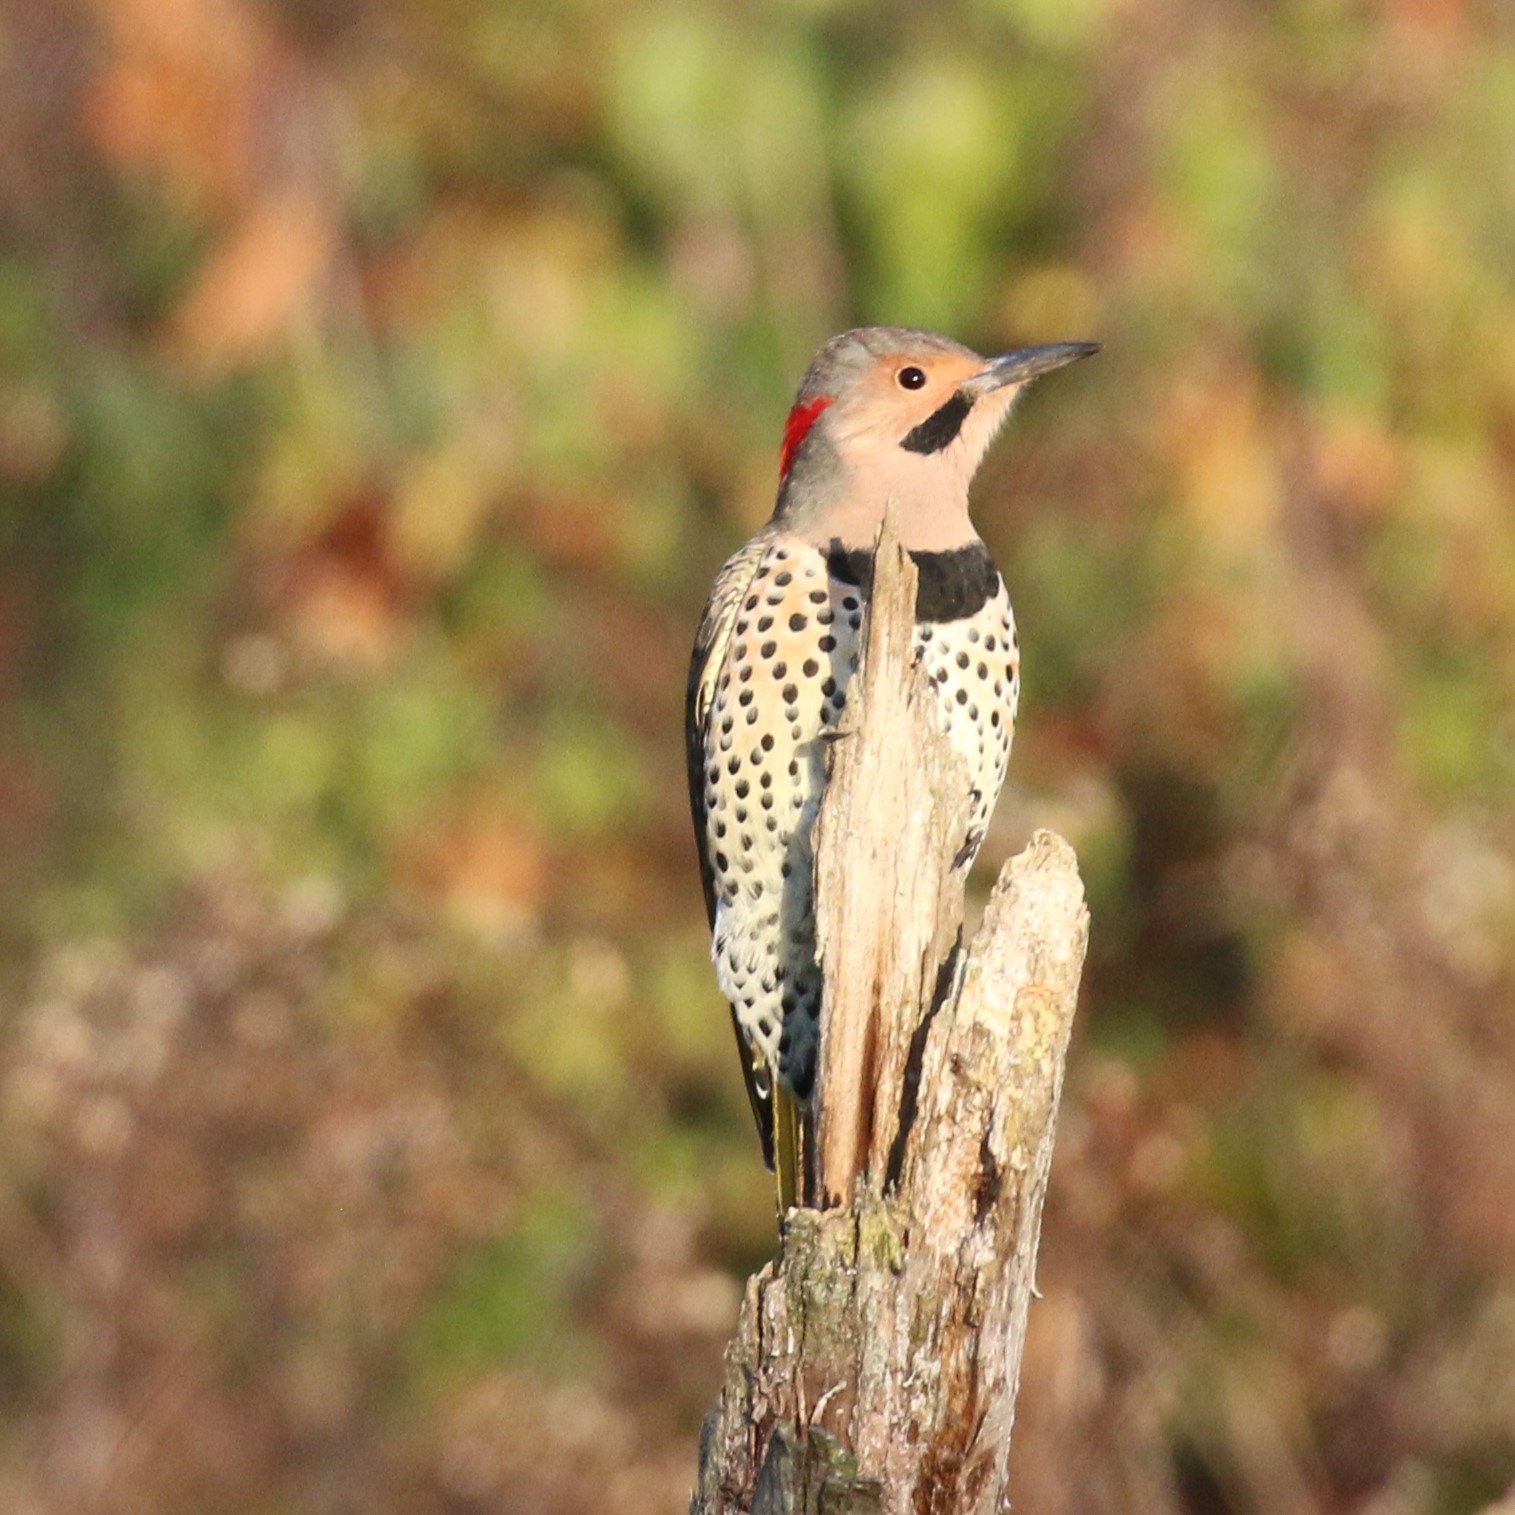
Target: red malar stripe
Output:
[(797, 428)]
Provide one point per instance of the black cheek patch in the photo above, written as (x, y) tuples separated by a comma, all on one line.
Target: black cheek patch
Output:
[(939, 428)]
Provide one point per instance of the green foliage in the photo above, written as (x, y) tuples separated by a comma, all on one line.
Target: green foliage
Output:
[(380, 387), (509, 1299)]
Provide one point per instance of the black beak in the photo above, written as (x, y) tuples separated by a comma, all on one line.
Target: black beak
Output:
[(1028, 363)]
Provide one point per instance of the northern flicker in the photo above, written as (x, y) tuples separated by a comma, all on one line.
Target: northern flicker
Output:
[(883, 414)]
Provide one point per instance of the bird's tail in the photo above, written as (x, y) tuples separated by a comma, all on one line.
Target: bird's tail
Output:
[(786, 1147)]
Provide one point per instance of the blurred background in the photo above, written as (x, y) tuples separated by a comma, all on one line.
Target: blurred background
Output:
[(381, 385)]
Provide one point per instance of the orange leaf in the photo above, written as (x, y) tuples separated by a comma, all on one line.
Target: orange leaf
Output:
[(262, 282)]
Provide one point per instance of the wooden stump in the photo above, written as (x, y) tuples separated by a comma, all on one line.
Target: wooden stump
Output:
[(876, 1359)]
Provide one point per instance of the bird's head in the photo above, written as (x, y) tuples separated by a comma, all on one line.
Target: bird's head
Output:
[(888, 413)]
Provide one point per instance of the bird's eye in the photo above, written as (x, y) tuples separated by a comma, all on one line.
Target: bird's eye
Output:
[(910, 378)]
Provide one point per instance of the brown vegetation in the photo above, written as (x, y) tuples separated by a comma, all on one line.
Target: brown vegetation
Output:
[(380, 386)]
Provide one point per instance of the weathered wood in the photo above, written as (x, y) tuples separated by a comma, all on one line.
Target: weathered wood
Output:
[(876, 1360), (889, 903)]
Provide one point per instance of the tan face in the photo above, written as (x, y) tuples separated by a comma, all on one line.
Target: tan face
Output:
[(900, 392), (891, 414), (903, 432)]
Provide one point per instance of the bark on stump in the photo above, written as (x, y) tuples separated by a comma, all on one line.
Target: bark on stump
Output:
[(876, 1359)]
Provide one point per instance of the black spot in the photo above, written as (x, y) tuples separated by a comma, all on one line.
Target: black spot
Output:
[(766, 780), (818, 596), (752, 716), (783, 580), (791, 694), (983, 670), (771, 822), (745, 673), (825, 617), (765, 622), (794, 768), (962, 696), (742, 790), (768, 743), (722, 862), (810, 668), (962, 660), (767, 650), (780, 669), (940, 428), (828, 644), (829, 688), (797, 622), (734, 765), (744, 698)]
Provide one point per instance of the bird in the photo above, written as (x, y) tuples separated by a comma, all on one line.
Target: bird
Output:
[(883, 414)]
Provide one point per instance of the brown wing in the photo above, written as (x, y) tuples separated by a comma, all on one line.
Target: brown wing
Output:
[(705, 669)]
